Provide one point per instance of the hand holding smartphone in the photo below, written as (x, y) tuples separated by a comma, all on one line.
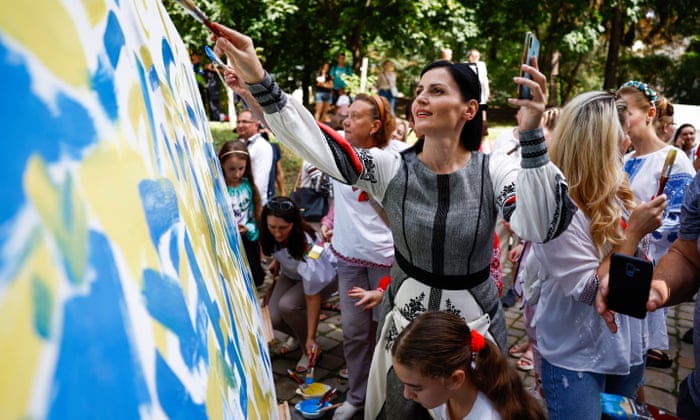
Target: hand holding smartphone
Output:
[(531, 49), (629, 284)]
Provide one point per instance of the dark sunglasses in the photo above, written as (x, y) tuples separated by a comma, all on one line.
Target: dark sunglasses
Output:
[(280, 204)]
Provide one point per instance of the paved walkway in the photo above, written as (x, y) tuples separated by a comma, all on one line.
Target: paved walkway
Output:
[(661, 387)]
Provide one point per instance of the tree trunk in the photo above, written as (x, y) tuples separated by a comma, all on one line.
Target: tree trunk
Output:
[(553, 99), (616, 31)]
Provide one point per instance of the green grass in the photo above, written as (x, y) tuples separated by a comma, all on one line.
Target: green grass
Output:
[(223, 132)]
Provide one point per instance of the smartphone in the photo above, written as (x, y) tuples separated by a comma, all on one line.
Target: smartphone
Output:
[(531, 49), (212, 56), (629, 284)]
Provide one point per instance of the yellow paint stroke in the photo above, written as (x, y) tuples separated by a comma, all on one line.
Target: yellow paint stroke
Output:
[(50, 33), (160, 335), (96, 10), (110, 177), (52, 202), (22, 345), (216, 389)]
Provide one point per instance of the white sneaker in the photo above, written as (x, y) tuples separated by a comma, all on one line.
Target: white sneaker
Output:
[(345, 411)]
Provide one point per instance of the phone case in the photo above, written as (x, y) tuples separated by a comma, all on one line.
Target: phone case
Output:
[(630, 280), (531, 48)]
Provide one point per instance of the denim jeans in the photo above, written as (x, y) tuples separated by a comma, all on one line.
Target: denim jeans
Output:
[(576, 395)]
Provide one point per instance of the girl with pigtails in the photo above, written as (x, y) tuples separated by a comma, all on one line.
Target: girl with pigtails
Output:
[(456, 373)]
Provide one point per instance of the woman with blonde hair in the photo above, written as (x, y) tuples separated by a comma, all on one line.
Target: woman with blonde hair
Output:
[(571, 335)]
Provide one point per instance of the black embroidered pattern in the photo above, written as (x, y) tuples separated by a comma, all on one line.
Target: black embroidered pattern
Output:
[(369, 171), (391, 336), (565, 209), (410, 311), (449, 307), (414, 307), (506, 193)]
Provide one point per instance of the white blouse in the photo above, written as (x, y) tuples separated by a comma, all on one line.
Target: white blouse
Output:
[(570, 333)]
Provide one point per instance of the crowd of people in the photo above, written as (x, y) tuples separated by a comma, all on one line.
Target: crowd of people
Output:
[(411, 236)]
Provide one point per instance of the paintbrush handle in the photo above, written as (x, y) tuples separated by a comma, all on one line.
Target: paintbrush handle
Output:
[(327, 396), (662, 185), (294, 376), (330, 407)]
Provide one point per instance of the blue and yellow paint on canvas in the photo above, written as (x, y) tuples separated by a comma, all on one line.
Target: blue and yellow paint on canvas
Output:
[(123, 292)]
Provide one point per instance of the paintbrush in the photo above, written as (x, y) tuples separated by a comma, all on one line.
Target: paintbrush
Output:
[(296, 377), (330, 407), (666, 171), (327, 396), (197, 13), (312, 363)]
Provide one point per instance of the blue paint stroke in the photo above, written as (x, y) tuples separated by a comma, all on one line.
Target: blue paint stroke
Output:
[(173, 396), (113, 39), (146, 99), (30, 128), (97, 369), (168, 59), (160, 206), (169, 147), (166, 304), (210, 306), (102, 83)]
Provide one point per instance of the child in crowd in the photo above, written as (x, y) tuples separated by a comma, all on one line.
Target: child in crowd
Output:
[(456, 373), (305, 275), (245, 201)]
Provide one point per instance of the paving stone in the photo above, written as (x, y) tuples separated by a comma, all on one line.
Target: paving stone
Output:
[(659, 378), (660, 399)]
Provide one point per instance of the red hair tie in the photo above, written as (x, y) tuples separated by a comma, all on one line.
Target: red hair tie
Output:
[(478, 342)]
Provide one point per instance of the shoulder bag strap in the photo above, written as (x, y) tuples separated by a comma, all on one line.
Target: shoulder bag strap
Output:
[(379, 209)]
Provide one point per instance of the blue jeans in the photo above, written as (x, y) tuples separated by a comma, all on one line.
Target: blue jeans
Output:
[(576, 395)]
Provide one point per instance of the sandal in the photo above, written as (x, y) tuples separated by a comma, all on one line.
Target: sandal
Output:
[(302, 364), (525, 363), (658, 359), (518, 350), (322, 317), (289, 345)]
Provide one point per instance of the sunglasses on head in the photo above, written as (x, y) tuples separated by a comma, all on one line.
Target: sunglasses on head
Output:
[(280, 204)]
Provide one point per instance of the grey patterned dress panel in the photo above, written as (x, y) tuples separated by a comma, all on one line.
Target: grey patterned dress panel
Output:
[(446, 219)]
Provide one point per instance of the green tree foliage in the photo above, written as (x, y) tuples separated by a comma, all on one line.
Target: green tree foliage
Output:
[(585, 44)]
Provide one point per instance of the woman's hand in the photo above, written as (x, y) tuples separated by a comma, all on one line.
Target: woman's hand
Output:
[(601, 304), (241, 53), (531, 110), (242, 229), (646, 217), (514, 254), (369, 298), (234, 82), (274, 267), (311, 346), (326, 233)]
